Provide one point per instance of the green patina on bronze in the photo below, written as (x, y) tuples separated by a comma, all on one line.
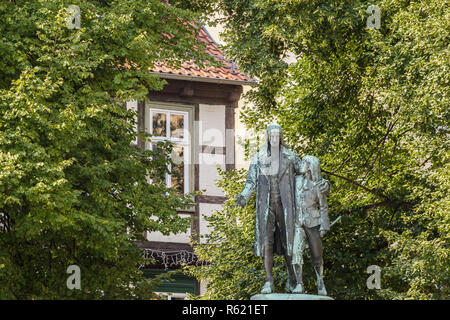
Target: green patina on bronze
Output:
[(285, 211)]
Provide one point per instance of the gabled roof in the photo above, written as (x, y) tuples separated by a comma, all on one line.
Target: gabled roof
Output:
[(228, 73)]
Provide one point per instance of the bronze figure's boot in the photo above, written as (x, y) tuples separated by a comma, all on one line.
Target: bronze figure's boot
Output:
[(268, 264), (320, 284), (291, 279), (268, 287), (299, 278)]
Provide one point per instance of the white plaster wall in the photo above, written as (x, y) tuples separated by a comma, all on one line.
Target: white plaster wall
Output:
[(208, 174), (241, 133), (212, 125), (212, 133), (179, 238), (206, 209)]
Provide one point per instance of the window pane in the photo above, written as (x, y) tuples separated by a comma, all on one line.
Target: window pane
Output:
[(177, 126), (177, 174), (159, 124)]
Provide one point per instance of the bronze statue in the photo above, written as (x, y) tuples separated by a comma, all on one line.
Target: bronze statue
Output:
[(311, 221), (272, 174)]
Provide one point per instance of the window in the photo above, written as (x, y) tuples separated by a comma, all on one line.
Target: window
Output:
[(172, 124)]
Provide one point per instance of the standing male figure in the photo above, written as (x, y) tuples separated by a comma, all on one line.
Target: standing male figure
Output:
[(272, 173), (311, 221)]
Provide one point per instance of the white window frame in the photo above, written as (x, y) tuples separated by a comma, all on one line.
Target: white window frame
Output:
[(185, 143)]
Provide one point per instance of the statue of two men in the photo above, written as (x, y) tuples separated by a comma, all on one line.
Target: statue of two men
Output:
[(290, 208)]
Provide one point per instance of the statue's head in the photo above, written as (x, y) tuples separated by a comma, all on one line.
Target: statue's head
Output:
[(311, 167), (274, 135)]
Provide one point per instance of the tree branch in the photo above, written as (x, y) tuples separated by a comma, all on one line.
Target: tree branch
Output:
[(387, 200), (357, 184)]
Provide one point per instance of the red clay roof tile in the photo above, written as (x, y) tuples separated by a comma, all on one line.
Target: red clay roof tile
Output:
[(229, 71)]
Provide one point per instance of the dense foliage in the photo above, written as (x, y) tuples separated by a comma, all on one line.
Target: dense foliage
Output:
[(373, 106), (73, 190)]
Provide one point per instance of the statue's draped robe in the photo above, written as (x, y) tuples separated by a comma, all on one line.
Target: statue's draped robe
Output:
[(290, 165)]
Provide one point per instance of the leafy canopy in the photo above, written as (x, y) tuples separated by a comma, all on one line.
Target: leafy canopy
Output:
[(72, 188), (373, 106)]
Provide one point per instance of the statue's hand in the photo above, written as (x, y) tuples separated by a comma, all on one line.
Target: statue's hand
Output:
[(322, 233), (324, 186), (240, 201)]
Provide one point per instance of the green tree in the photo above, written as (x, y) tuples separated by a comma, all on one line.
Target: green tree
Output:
[(373, 106), (72, 188)]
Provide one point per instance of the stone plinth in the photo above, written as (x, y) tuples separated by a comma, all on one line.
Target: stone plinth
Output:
[(288, 296)]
